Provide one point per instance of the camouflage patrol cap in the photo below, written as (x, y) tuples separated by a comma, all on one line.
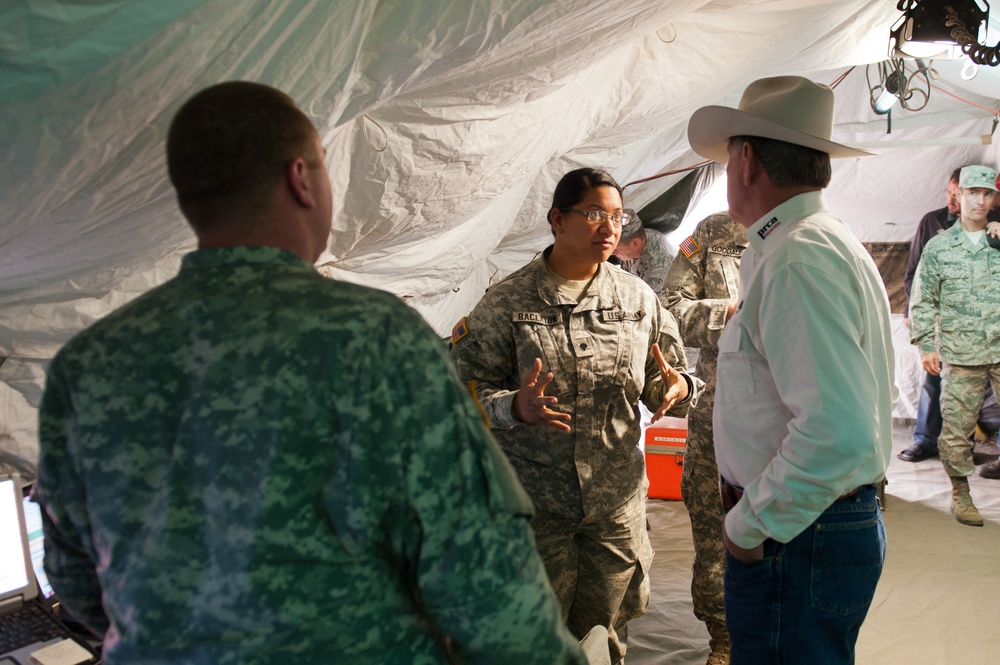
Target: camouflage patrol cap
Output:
[(633, 227), (974, 177)]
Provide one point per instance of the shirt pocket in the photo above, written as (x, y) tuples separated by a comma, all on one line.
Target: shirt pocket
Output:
[(722, 276), (954, 275), (956, 308), (734, 367), (543, 335), (617, 341)]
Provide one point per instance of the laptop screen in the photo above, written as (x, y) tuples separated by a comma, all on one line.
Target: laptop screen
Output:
[(15, 575)]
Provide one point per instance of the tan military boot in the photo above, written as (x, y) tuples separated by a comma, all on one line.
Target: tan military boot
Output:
[(961, 502), (718, 643)]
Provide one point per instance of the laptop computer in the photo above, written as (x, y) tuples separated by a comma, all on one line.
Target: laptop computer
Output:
[(26, 621)]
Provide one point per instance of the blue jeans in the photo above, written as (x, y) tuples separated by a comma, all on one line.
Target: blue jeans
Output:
[(928, 427), (805, 601)]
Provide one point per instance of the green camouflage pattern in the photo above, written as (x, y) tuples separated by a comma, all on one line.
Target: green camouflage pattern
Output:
[(598, 351), (963, 390), (956, 298), (955, 310), (697, 290), (254, 464)]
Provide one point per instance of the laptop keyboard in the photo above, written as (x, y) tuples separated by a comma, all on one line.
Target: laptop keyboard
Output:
[(27, 625)]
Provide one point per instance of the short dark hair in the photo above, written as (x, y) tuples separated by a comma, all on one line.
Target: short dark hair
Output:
[(634, 229), (787, 164), (230, 143), (573, 187), (956, 175)]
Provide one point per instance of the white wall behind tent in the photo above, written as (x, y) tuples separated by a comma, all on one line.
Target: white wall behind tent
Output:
[(446, 124)]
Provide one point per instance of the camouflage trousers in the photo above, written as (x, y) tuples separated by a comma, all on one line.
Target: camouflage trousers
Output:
[(700, 491), (963, 390), (599, 568)]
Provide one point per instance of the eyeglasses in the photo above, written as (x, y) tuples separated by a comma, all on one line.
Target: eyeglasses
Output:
[(599, 216)]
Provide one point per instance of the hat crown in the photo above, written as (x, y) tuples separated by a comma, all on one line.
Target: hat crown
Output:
[(978, 177), (792, 109), (793, 102)]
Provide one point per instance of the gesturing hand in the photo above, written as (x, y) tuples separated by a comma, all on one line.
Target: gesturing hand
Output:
[(531, 404), (676, 386)]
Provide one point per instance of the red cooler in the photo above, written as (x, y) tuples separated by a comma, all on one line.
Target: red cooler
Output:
[(664, 446)]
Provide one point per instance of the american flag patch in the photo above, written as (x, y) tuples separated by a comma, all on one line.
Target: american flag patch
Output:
[(460, 330), (689, 247)]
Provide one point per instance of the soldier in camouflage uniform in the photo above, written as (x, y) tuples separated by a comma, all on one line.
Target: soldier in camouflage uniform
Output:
[(571, 432), (956, 308), (644, 253), (254, 464), (701, 290)]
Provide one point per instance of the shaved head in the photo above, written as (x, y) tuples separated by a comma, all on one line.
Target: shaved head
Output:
[(229, 145)]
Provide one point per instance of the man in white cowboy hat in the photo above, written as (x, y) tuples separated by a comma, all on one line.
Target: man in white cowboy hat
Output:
[(955, 320), (803, 403)]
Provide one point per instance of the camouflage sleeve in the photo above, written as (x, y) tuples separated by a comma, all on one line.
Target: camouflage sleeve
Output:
[(657, 260), (669, 339), (700, 319), (475, 563), (924, 296), (484, 354), (70, 558)]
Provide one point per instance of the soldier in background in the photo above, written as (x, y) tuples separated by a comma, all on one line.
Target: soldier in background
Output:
[(928, 425), (955, 321), (643, 252), (700, 290), (252, 463)]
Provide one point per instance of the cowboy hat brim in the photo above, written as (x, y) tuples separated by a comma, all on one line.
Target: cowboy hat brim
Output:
[(711, 127)]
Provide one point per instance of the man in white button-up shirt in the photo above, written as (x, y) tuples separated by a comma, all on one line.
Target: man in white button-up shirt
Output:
[(803, 410)]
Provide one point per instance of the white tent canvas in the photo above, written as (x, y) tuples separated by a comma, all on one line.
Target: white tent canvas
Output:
[(446, 123)]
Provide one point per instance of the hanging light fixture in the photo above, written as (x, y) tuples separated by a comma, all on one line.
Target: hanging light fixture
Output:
[(894, 82), (912, 89), (942, 29)]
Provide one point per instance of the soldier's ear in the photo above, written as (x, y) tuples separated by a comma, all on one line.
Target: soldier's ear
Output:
[(555, 219)]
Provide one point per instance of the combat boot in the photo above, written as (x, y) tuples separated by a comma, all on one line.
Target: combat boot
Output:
[(718, 643), (961, 502)]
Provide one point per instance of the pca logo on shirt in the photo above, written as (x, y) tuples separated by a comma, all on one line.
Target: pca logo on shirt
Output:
[(771, 225)]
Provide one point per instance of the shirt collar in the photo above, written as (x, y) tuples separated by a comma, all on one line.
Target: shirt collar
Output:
[(242, 255), (600, 294), (776, 223)]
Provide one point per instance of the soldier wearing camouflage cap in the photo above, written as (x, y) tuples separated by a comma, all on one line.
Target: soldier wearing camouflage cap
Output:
[(643, 252), (559, 354), (955, 321), (252, 463), (700, 290)]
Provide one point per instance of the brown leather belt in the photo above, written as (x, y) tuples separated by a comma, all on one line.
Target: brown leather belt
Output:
[(731, 494)]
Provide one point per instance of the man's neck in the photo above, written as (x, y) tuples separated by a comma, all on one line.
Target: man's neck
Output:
[(766, 199), (971, 225), (292, 233)]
